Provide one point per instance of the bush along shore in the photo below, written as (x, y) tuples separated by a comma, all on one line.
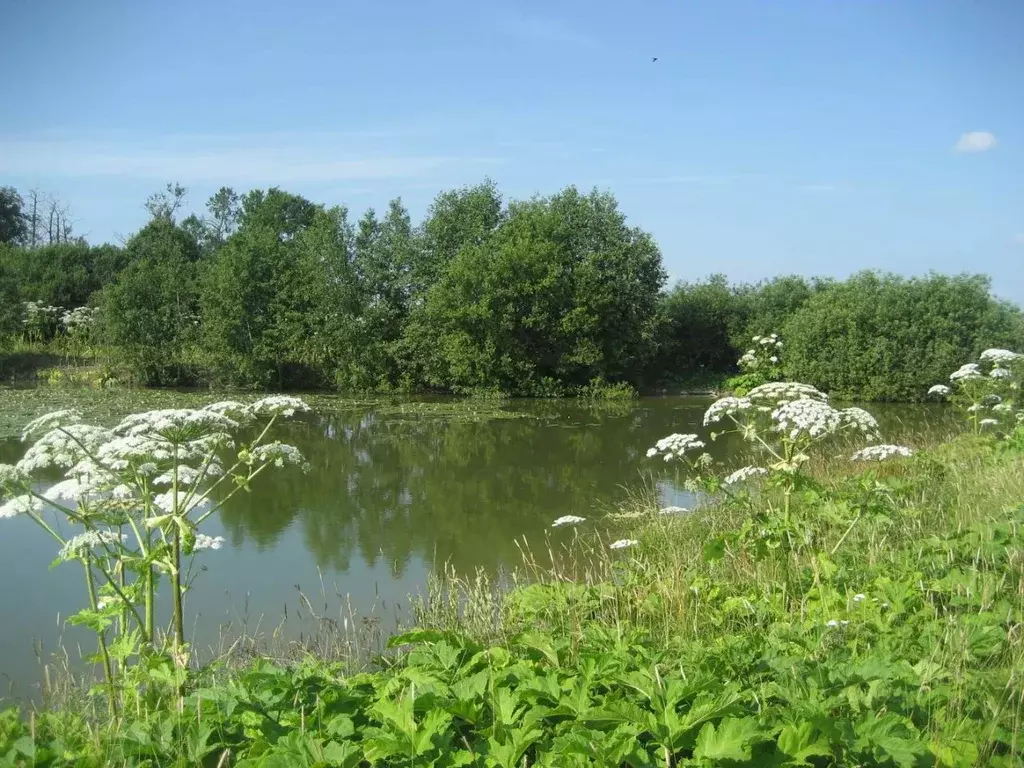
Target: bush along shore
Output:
[(840, 601), (552, 296)]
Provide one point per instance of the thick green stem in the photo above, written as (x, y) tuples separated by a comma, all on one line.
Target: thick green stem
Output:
[(179, 620), (107, 669)]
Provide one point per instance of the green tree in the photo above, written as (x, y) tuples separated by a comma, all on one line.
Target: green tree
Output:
[(278, 297), (151, 312), (561, 293), (884, 337), (13, 227)]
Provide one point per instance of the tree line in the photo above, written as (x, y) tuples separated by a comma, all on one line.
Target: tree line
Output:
[(548, 296)]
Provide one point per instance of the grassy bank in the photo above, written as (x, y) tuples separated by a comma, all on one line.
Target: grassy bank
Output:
[(877, 622)]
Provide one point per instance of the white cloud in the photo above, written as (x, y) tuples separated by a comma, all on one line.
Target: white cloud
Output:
[(225, 159), (975, 141)]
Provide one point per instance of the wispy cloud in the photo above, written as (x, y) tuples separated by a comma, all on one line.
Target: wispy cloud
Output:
[(544, 29), (254, 160), (974, 142)]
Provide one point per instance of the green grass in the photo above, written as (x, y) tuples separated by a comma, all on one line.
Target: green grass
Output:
[(881, 624)]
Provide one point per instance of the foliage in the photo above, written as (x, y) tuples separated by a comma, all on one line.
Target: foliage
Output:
[(882, 337), (12, 218), (988, 393)]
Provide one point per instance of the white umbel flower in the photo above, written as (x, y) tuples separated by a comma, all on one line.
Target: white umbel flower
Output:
[(966, 372), (672, 510), (278, 405), (939, 389), (726, 406), (207, 542), (780, 391), (1000, 373), (623, 543), (279, 455), (676, 445), (20, 505), (988, 423), (1000, 356), (860, 420), (50, 421), (881, 452), (84, 542), (806, 418), (11, 475), (568, 520), (745, 474)]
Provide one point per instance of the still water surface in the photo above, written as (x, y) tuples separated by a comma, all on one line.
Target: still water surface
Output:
[(391, 497)]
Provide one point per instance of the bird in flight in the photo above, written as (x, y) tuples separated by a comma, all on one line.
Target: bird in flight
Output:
[(654, 58)]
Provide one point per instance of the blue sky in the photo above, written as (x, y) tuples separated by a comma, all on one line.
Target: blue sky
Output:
[(770, 136)]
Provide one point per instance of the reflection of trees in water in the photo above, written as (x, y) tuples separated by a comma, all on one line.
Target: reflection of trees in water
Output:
[(458, 491)]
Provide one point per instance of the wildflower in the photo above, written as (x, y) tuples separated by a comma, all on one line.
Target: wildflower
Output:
[(1002, 407), (78, 545), (207, 542), (939, 389), (778, 391), (623, 543), (11, 475), (744, 474), (279, 455), (20, 505), (1000, 356), (190, 475), (805, 417), (756, 339), (567, 520), (726, 406), (652, 452), (63, 447), (858, 597), (1000, 373), (175, 425), (774, 358), (860, 419), (881, 452), (51, 421), (675, 446), (988, 422), (232, 408), (975, 408), (274, 405), (185, 502), (672, 510), (836, 623), (967, 372)]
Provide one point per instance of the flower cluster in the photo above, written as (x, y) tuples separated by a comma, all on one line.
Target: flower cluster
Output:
[(744, 475), (623, 543), (675, 446), (763, 356), (881, 452), (79, 320), (988, 391), (568, 520)]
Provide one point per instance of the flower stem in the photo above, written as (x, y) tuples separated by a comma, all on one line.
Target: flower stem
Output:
[(102, 634)]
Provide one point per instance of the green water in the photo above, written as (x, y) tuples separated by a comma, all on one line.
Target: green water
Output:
[(396, 491)]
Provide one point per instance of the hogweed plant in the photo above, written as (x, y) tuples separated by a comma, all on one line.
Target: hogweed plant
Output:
[(786, 422), (987, 392), (130, 506), (760, 364)]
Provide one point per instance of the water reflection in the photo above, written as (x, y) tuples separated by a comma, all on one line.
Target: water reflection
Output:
[(389, 498)]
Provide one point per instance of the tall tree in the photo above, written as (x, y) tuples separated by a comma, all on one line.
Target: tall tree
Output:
[(151, 312), (13, 227)]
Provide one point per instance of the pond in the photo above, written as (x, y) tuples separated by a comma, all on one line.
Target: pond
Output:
[(396, 491)]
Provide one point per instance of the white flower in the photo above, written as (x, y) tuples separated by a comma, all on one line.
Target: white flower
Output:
[(279, 455), (966, 372), (756, 339), (187, 501), (860, 419), (675, 445), (988, 422), (1000, 373), (858, 597), (63, 447), (1000, 356), (744, 474), (83, 542), (939, 389), (175, 425), (190, 475), (835, 623), (672, 510), (779, 391), (51, 421), (726, 406), (11, 475), (283, 405), (652, 452), (975, 408), (774, 359), (20, 505), (231, 408), (806, 418), (623, 543), (207, 542), (567, 520), (881, 452), (1002, 408), (766, 342)]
